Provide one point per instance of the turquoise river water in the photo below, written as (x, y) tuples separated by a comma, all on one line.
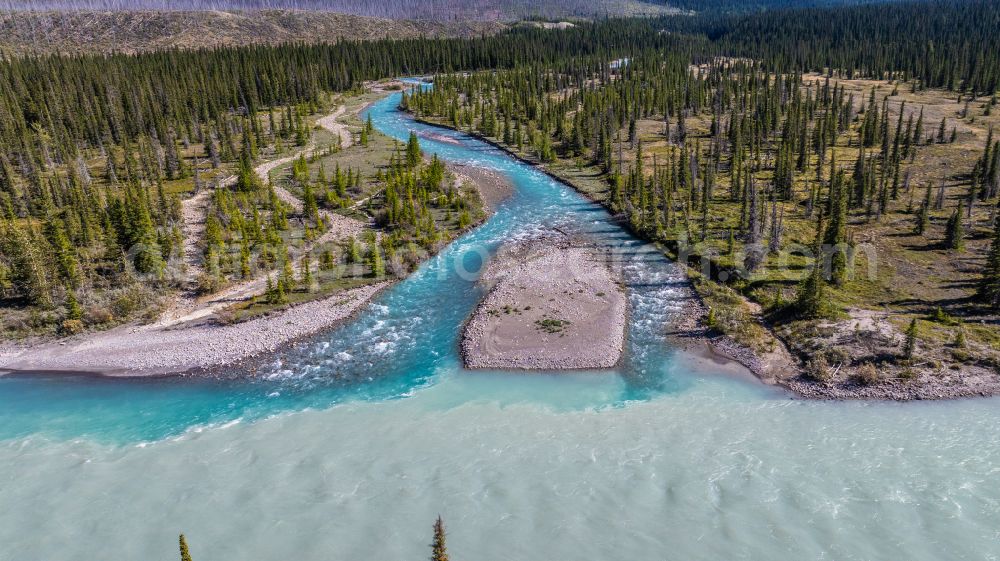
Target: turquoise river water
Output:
[(350, 445)]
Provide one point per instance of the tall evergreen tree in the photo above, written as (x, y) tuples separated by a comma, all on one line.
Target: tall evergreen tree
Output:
[(412, 151), (438, 550), (910, 345), (185, 554), (954, 235), (811, 299), (989, 285)]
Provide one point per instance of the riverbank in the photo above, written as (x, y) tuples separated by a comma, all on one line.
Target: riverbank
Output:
[(141, 351), (809, 367), (554, 304), (201, 336), (770, 361), (772, 365)]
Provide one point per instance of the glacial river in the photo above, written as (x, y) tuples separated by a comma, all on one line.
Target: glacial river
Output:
[(349, 446)]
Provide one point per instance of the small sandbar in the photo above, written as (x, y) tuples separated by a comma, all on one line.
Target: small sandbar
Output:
[(555, 303), (492, 186)]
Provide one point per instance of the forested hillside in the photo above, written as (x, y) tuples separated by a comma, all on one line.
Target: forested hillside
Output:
[(443, 9), (939, 43), (756, 170), (440, 10), (23, 32)]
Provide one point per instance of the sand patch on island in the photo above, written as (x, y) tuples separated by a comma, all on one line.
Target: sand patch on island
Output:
[(493, 187), (555, 303)]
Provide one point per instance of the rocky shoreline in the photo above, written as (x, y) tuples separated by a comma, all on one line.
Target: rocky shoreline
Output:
[(143, 351), (781, 369)]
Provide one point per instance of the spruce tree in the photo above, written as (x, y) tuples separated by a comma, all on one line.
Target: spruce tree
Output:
[(954, 231), (246, 178), (910, 345), (73, 310), (280, 296), (244, 260), (412, 151), (835, 236), (28, 272), (353, 251), (439, 551), (305, 272), (287, 278), (921, 220), (269, 294), (989, 285), (326, 262), (376, 262), (185, 554), (810, 302)]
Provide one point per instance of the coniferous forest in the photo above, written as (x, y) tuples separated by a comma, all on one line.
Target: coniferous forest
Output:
[(634, 257), (749, 162), (743, 134)]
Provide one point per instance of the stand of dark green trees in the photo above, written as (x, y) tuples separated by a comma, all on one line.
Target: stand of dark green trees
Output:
[(93, 149), (769, 149)]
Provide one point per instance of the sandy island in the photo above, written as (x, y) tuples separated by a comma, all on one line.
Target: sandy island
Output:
[(554, 304)]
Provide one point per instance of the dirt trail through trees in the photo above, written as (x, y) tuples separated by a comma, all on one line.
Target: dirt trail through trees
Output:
[(188, 306)]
